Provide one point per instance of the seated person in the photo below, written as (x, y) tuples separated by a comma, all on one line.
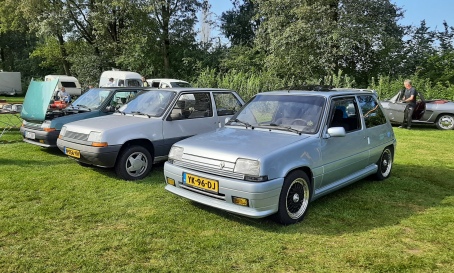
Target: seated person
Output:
[(63, 95)]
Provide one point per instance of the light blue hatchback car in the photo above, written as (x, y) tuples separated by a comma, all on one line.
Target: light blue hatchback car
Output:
[(283, 150)]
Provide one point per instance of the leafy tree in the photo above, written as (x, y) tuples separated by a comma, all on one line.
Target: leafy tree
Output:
[(418, 47), (175, 20), (313, 39), (49, 18), (240, 24)]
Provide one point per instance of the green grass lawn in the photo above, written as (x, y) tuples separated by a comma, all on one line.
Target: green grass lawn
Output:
[(57, 216)]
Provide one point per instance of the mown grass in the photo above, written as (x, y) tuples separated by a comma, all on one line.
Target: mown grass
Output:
[(57, 216)]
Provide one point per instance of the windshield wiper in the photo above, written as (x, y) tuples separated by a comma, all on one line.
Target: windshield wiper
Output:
[(140, 113), (82, 106), (241, 122), (280, 127)]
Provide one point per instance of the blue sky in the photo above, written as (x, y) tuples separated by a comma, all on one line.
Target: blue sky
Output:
[(433, 11)]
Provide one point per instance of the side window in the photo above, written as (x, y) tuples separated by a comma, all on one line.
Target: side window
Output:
[(155, 84), (68, 84), (134, 82), (191, 106), (372, 113), (121, 98), (345, 114), (121, 83), (226, 104)]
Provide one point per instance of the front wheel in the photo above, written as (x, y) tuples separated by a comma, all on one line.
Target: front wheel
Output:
[(385, 164), (445, 122), (134, 163), (294, 198)]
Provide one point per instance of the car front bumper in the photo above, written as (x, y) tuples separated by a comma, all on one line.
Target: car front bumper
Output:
[(263, 197), (98, 156), (40, 138)]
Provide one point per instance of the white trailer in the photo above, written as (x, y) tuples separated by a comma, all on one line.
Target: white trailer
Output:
[(70, 83), (10, 83)]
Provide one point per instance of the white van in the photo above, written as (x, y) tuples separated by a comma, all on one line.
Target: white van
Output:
[(121, 78), (167, 83), (70, 83)]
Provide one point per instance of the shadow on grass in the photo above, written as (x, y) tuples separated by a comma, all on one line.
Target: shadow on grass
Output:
[(366, 204), (156, 171)]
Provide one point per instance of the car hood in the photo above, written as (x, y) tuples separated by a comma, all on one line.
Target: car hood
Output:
[(105, 123), (231, 143), (37, 100)]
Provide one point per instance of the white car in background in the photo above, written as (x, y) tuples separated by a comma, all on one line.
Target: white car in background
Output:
[(167, 83)]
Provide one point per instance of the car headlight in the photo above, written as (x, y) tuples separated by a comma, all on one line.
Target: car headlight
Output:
[(63, 131), (94, 136), (46, 126), (247, 166), (176, 153)]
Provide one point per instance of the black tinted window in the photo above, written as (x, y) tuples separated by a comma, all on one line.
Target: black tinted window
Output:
[(68, 84)]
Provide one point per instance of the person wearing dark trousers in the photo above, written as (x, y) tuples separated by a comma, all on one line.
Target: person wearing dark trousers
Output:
[(409, 97)]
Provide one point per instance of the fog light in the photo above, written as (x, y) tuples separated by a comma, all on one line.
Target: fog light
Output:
[(240, 201), (170, 181)]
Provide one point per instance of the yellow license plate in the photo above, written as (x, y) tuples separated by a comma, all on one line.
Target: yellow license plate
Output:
[(72, 152), (201, 182)]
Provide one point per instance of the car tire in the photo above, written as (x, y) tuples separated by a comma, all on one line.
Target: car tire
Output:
[(294, 198), (134, 163), (445, 122), (385, 164)]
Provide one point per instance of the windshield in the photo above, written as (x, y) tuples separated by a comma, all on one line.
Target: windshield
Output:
[(282, 112), (92, 99), (149, 102)]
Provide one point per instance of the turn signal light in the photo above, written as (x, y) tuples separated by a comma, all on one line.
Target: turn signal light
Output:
[(99, 144)]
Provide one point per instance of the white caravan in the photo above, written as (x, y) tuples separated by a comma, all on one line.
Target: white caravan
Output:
[(121, 78)]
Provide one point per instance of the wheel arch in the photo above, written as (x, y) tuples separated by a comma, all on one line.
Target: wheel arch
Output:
[(440, 115), (139, 142), (309, 174)]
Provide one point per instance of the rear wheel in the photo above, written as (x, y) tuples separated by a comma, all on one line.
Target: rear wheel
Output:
[(134, 163), (385, 164), (294, 198), (445, 122)]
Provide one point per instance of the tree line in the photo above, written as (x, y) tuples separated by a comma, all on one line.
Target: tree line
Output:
[(272, 44)]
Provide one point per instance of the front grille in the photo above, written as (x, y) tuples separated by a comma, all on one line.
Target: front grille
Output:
[(76, 136), (33, 126), (197, 164)]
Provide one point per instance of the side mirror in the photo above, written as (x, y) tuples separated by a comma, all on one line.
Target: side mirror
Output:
[(110, 108), (336, 132), (174, 116)]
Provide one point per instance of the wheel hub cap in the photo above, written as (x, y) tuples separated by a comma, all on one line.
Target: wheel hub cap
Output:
[(296, 198)]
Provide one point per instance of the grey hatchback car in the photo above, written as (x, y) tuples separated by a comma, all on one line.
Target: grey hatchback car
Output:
[(283, 150), (142, 131)]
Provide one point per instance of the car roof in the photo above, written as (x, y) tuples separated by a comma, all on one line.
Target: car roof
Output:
[(188, 89), (324, 93)]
